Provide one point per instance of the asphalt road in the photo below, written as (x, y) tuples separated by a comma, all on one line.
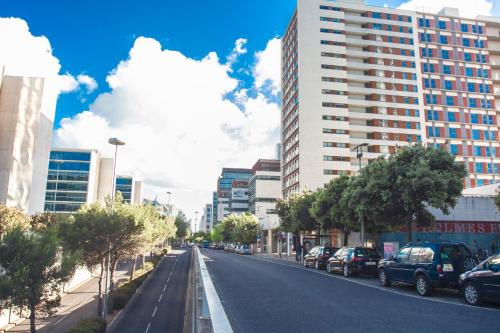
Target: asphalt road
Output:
[(264, 296), (159, 305)]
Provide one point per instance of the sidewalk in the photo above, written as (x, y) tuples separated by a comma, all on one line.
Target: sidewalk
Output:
[(78, 304), (276, 257)]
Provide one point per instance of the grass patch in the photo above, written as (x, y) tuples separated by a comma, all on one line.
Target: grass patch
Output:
[(89, 325)]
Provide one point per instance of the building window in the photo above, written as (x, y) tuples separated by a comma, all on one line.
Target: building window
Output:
[(443, 39), (464, 27), (453, 149), (448, 85), (453, 132), (476, 134)]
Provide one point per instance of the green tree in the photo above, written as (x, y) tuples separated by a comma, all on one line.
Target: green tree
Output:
[(295, 212), (331, 208), (246, 228), (183, 226), (11, 218), (400, 190), (216, 234), (85, 232), (35, 269)]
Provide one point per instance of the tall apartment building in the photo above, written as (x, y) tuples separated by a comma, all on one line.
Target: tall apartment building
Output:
[(232, 191), (355, 74), (26, 120), (80, 176)]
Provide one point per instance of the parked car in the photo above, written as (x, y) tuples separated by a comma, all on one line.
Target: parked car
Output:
[(482, 282), (318, 256), (427, 265), (219, 247), (237, 249), (245, 249), (354, 260)]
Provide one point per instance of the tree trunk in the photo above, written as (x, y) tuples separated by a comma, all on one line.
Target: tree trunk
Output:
[(99, 293), (32, 317), (346, 237), (409, 227), (134, 264), (111, 286)]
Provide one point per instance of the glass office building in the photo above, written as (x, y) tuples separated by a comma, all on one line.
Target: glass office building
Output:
[(68, 180), (125, 186)]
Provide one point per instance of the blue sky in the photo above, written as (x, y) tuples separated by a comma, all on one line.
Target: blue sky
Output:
[(92, 36), (170, 107)]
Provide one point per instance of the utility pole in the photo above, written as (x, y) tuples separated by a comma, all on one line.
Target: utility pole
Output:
[(359, 155)]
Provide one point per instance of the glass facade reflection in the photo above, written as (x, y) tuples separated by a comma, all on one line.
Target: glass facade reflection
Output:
[(124, 185), (67, 180)]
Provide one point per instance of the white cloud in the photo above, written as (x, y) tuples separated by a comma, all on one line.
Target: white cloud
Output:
[(88, 82), (267, 71), (467, 8), (239, 49), (178, 127)]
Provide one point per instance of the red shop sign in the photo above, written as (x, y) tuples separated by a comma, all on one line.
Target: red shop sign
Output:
[(464, 227)]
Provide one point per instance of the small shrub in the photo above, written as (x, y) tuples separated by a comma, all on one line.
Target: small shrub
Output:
[(89, 325)]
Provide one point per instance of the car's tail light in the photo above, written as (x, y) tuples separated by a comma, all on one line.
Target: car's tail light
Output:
[(439, 268), (325, 256)]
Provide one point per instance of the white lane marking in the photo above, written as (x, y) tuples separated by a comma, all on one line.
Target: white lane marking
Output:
[(165, 287), (147, 329), (377, 287), (220, 322), (154, 312), (159, 299)]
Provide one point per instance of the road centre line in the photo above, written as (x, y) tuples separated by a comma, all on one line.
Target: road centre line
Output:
[(159, 299), (147, 329), (154, 312)]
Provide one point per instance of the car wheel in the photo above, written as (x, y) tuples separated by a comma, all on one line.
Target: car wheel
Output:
[(328, 268), (468, 264), (383, 278), (471, 294), (346, 271), (316, 265), (423, 285)]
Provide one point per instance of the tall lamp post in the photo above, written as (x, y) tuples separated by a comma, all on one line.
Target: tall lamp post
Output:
[(58, 162), (195, 220), (359, 155), (169, 207), (115, 142)]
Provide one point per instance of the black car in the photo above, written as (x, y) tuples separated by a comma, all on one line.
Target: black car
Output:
[(318, 256), (482, 282), (427, 265), (354, 260)]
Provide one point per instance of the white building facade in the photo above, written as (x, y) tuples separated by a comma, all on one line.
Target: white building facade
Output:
[(356, 74), (26, 121)]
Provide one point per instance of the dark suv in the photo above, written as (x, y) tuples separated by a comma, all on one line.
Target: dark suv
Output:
[(427, 265), (318, 256)]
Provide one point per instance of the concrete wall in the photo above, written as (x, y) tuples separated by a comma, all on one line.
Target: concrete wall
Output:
[(24, 143)]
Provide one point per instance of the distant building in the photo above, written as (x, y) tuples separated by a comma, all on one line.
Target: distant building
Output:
[(26, 121), (264, 191), (232, 191)]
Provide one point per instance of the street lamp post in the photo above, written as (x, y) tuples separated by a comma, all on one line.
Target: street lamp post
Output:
[(115, 142), (169, 207), (195, 220), (359, 155)]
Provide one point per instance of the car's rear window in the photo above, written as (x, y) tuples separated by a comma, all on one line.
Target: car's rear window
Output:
[(453, 252), (363, 252), (329, 250)]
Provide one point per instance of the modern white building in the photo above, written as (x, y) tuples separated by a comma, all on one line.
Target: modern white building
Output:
[(354, 74), (264, 191), (26, 121)]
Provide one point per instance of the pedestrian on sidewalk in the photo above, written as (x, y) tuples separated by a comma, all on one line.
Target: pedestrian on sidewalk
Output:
[(298, 252), (494, 247)]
